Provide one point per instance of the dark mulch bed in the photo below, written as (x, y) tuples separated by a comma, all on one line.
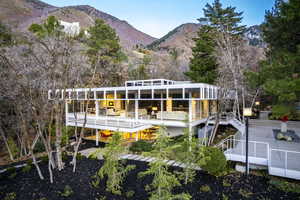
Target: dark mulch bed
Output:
[(28, 186), (85, 144)]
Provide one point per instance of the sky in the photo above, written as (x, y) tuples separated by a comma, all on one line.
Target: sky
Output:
[(158, 17)]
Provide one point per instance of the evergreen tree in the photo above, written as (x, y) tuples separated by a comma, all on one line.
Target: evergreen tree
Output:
[(279, 74), (163, 180), (191, 155), (203, 64), (224, 20), (6, 37), (105, 53), (113, 168), (221, 21)]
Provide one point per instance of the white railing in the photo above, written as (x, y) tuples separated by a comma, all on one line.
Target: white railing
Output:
[(235, 149), (106, 121), (284, 163)]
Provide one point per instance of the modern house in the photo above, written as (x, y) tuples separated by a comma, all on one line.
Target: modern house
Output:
[(137, 108)]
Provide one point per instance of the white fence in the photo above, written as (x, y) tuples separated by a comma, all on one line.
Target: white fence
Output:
[(284, 163), (235, 150)]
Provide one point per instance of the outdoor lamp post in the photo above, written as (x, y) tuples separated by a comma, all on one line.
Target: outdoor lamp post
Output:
[(247, 113)]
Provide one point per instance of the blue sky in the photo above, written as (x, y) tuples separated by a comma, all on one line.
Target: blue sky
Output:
[(158, 17)]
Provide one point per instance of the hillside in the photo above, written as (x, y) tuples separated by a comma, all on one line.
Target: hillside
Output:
[(20, 14), (180, 41), (16, 13), (129, 36)]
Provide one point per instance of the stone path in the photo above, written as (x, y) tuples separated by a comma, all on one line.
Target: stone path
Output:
[(88, 152)]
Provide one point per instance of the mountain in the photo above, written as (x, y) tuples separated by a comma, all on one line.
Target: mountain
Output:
[(179, 41), (20, 14), (129, 36), (254, 36)]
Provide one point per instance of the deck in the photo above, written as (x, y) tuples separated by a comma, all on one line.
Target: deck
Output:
[(281, 157)]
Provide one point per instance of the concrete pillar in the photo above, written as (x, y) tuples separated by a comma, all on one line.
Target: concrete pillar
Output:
[(161, 106), (136, 110), (67, 111), (169, 105), (97, 108), (136, 136), (190, 117), (97, 138)]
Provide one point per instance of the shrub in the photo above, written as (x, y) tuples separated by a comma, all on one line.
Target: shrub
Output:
[(285, 186), (67, 191), (45, 159), (224, 197), (13, 147), (27, 167), (12, 172), (205, 188), (141, 146), (64, 156), (215, 163), (39, 147), (79, 156), (226, 183), (10, 196), (130, 194), (245, 193)]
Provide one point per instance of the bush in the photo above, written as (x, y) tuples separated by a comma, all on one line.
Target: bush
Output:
[(10, 196), (27, 167), (79, 156), (215, 163), (130, 194), (205, 188), (11, 172), (141, 146), (13, 147), (67, 191), (39, 147), (45, 159), (285, 186)]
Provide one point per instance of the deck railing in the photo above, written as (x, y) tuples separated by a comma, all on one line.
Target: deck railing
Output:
[(284, 163), (232, 145)]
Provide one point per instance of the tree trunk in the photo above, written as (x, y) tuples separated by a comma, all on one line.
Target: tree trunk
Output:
[(6, 144), (58, 137), (36, 164)]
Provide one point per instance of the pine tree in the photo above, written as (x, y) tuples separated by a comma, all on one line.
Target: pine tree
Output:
[(203, 65), (221, 22), (224, 20), (105, 53), (113, 168), (191, 154), (163, 180), (279, 74)]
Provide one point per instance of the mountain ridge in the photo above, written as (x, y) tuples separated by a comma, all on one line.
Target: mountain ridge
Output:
[(20, 14)]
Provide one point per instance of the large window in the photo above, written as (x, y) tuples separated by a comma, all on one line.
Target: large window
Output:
[(175, 93)]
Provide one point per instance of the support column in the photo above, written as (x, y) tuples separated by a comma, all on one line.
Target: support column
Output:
[(97, 138), (67, 112), (161, 106), (136, 112), (190, 117), (136, 136), (97, 109)]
